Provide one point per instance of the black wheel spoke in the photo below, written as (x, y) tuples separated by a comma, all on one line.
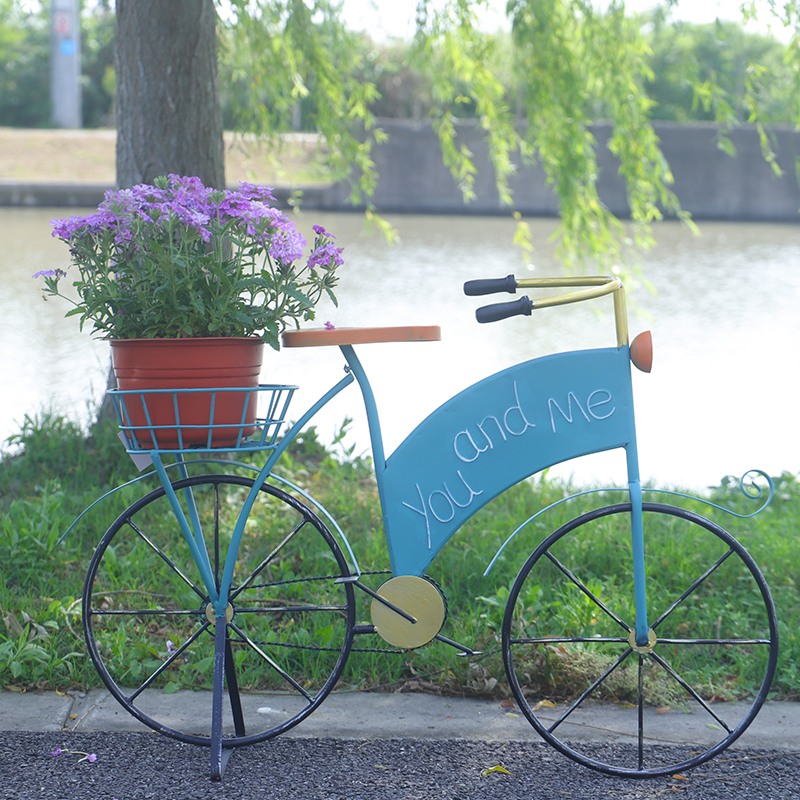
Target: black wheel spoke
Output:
[(693, 588), (285, 675), (168, 663), (266, 562), (590, 690), (585, 589), (168, 561), (695, 695), (569, 640), (217, 571), (640, 712)]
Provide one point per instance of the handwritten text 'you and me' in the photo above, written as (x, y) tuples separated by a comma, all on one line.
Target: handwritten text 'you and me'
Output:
[(490, 434)]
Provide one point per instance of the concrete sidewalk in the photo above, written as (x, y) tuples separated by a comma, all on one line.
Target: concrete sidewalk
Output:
[(364, 715)]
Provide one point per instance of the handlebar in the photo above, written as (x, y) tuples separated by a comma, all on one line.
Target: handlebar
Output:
[(490, 286), (586, 288), (498, 311)]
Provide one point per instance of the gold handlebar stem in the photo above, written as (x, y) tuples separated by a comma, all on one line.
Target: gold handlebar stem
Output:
[(599, 285)]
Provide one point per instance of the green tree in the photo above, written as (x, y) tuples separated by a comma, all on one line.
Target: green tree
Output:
[(574, 65), (687, 60), (293, 64), (97, 68), (25, 59)]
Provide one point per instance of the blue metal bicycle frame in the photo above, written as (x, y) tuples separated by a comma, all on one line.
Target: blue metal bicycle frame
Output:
[(496, 433), (487, 438)]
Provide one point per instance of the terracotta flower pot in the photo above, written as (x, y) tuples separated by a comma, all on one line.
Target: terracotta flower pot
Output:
[(203, 363)]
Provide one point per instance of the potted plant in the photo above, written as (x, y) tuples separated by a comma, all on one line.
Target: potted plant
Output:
[(188, 283)]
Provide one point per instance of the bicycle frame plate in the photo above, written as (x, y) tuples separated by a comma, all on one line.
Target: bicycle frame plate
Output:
[(496, 433)]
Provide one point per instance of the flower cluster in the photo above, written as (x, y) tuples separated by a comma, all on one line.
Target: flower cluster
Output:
[(178, 260)]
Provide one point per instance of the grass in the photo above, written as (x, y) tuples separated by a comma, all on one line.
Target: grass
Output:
[(52, 470)]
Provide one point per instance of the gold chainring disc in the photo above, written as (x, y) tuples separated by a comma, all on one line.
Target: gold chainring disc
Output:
[(416, 597)]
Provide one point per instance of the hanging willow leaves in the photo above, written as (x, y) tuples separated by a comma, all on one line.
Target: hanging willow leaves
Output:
[(576, 63)]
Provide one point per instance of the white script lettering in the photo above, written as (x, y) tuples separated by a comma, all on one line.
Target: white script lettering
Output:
[(469, 450), (448, 511)]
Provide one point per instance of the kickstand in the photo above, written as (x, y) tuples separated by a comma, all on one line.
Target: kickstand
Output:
[(219, 755)]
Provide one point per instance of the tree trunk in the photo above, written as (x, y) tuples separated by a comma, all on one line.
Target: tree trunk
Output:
[(169, 118), (168, 110)]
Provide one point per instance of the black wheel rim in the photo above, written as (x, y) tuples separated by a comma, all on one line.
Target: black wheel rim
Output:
[(532, 646), (292, 624)]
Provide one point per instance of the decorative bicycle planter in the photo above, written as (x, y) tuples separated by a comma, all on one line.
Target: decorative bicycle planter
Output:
[(255, 583)]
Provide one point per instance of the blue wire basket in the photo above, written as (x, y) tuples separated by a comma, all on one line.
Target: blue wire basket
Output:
[(176, 420)]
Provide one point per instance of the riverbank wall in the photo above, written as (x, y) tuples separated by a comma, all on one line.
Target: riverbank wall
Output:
[(709, 183)]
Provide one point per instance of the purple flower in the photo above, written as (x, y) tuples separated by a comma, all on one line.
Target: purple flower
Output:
[(329, 326), (45, 273), (326, 255), (67, 228), (254, 192), (90, 757)]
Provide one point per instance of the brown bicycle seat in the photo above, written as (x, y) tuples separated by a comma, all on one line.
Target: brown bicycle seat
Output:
[(319, 337)]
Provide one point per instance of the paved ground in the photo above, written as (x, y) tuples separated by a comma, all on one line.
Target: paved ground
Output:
[(133, 766), (370, 747), (363, 715)]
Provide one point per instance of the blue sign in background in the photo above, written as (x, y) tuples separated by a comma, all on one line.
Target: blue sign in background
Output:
[(496, 433)]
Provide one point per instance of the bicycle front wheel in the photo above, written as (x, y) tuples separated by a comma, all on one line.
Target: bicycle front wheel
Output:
[(150, 628), (573, 663)]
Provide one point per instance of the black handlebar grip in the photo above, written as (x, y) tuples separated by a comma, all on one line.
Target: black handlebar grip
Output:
[(498, 311), (490, 286)]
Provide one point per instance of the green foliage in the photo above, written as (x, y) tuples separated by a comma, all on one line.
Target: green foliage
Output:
[(25, 77), (699, 72), (25, 56), (50, 450), (572, 64), (97, 68), (40, 629), (287, 67)]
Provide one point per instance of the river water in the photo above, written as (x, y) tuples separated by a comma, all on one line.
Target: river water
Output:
[(721, 398)]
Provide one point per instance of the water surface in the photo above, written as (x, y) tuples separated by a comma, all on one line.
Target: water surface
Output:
[(720, 400)]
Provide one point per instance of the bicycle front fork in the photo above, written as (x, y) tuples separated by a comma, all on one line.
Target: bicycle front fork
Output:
[(642, 637)]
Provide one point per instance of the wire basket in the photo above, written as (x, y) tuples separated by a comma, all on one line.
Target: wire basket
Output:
[(174, 420)]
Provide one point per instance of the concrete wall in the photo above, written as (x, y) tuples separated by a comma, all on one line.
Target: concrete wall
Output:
[(413, 179), (708, 183)]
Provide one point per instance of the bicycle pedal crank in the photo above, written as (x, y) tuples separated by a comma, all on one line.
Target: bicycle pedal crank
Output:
[(422, 606)]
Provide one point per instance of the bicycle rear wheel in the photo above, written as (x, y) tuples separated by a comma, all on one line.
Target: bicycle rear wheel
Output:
[(151, 632), (568, 646)]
